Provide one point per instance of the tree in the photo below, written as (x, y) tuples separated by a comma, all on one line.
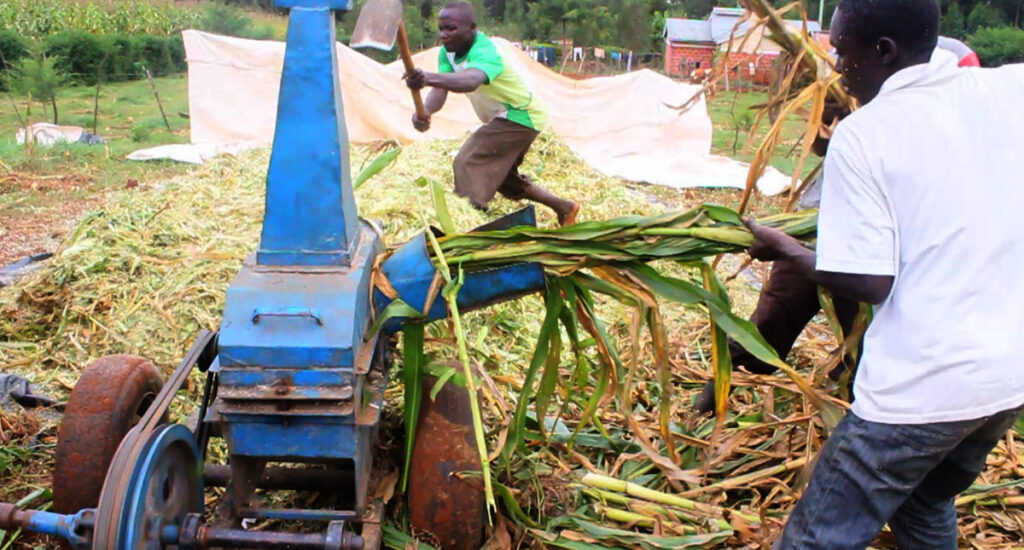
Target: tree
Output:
[(998, 45), (953, 22), (37, 77), (1011, 10), (982, 16), (633, 25)]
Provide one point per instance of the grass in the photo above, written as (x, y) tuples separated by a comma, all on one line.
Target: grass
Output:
[(58, 184), (727, 107), (123, 107)]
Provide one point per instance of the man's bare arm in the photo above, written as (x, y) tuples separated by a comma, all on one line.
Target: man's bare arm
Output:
[(462, 82), (772, 244), (435, 100)]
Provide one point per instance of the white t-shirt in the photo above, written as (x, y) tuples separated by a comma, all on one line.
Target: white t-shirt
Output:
[(926, 183)]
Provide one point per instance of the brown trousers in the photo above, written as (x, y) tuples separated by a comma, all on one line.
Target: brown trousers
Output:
[(788, 301), (488, 162)]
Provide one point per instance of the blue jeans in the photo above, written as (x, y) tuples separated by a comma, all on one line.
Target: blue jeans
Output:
[(906, 475)]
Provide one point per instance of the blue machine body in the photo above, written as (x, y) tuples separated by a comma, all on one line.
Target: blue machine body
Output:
[(292, 387)]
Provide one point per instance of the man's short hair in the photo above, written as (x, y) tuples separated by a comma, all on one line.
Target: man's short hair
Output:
[(912, 24), (464, 8)]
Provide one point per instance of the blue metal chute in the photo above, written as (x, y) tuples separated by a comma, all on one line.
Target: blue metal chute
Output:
[(411, 272), (310, 207)]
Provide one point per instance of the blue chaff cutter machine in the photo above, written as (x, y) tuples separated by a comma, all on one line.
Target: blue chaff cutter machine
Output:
[(293, 384)]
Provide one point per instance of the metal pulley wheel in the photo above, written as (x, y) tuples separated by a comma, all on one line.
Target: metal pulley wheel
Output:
[(442, 503), (108, 401), (149, 486)]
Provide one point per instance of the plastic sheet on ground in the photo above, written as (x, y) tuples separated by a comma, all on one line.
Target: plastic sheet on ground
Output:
[(192, 153), (47, 135), (622, 125)]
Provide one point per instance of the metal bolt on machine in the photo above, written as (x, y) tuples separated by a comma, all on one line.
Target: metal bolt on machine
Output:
[(294, 384)]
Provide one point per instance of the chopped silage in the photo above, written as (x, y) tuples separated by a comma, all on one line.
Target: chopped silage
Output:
[(146, 273)]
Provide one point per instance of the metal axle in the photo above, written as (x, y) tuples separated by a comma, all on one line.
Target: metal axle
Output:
[(192, 534), (74, 528)]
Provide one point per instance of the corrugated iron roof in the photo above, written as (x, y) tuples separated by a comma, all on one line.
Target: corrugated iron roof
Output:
[(687, 30), (718, 27)]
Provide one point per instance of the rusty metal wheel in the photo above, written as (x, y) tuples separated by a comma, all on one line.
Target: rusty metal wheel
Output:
[(447, 506), (108, 400)]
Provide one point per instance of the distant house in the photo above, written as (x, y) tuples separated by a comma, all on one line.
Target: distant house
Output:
[(691, 44)]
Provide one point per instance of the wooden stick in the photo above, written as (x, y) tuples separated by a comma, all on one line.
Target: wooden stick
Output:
[(406, 53), (152, 84), (96, 100), (10, 96)]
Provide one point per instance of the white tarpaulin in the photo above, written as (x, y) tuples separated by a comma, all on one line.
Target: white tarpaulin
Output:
[(46, 134), (621, 125)]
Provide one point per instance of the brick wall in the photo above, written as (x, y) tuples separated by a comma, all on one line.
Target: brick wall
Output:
[(680, 57)]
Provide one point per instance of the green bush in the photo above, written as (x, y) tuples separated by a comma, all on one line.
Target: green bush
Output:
[(226, 20), (141, 133), (998, 45), (13, 47), (155, 55), (126, 54), (983, 16), (176, 47), (81, 54), (232, 21)]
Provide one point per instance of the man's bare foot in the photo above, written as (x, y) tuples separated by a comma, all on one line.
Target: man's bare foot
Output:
[(569, 218)]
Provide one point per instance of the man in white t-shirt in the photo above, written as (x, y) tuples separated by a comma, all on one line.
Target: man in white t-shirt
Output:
[(919, 216), (788, 299)]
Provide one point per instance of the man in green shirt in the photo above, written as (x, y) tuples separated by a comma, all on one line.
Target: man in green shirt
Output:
[(513, 117)]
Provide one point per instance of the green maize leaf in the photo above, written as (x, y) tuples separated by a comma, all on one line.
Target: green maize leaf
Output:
[(398, 309), (721, 358), (829, 309), (444, 217), (610, 362), (513, 507), (549, 378), (445, 372), (412, 352), (721, 213), (450, 293), (575, 544), (517, 429), (376, 166), (400, 540), (441, 381)]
